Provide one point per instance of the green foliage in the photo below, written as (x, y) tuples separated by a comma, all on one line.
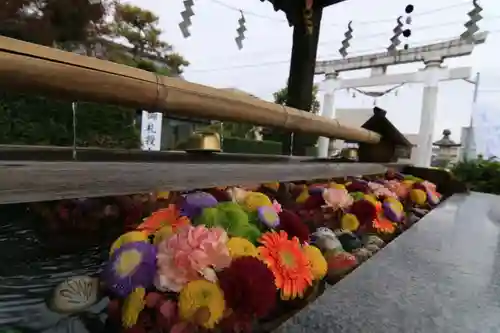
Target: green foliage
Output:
[(482, 175), (281, 97), (140, 28), (245, 146), (272, 134), (39, 121)]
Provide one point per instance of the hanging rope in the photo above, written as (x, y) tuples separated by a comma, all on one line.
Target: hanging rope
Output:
[(377, 94)]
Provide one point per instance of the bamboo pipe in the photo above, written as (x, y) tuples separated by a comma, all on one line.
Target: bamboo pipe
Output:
[(38, 69)]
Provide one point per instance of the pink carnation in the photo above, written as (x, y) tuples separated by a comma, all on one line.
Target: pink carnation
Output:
[(380, 190), (337, 198), (277, 207), (431, 187), (398, 188), (191, 254)]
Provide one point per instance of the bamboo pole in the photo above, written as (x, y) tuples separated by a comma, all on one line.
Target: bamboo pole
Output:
[(38, 69)]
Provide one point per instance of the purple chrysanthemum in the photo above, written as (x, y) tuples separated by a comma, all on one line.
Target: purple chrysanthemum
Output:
[(194, 203), (131, 266)]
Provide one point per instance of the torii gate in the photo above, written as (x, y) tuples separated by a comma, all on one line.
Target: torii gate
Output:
[(431, 55)]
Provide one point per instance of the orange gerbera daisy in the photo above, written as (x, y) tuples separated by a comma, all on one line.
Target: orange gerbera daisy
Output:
[(290, 266), (166, 216), (383, 225)]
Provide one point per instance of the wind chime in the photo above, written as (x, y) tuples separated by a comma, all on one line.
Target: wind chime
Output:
[(186, 23)]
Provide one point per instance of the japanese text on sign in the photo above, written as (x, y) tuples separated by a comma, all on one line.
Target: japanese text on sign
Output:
[(151, 130)]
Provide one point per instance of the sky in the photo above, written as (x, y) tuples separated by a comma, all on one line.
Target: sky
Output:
[(262, 66)]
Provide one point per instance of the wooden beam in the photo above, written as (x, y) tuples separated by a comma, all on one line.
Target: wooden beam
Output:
[(28, 181), (37, 69)]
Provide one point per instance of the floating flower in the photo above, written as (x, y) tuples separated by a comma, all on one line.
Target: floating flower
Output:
[(272, 186), (337, 198), (237, 194), (398, 188), (383, 225), (163, 195), (129, 237), (132, 307), (314, 201), (318, 263), (249, 289), (268, 216), (303, 196), (287, 261), (380, 190), (219, 195), (232, 218), (357, 195), (393, 209), (364, 210), (254, 200), (349, 222), (162, 234), (357, 186), (433, 198), (316, 189), (201, 302), (131, 266), (195, 202), (190, 254), (277, 206), (169, 216), (293, 225), (419, 197), (337, 186), (429, 186), (241, 247)]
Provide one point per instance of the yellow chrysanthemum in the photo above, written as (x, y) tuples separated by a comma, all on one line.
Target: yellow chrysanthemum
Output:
[(241, 247), (418, 196), (349, 222), (408, 183), (254, 200), (319, 266), (132, 307), (273, 186), (303, 196), (337, 186), (163, 195), (129, 237), (202, 296), (371, 198), (162, 234)]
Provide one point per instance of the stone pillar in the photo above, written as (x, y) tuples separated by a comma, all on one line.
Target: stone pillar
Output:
[(428, 116), (329, 86)]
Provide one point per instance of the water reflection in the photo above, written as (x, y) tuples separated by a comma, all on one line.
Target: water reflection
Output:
[(35, 257)]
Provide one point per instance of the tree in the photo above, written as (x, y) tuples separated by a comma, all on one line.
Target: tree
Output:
[(281, 96), (140, 28), (63, 23)]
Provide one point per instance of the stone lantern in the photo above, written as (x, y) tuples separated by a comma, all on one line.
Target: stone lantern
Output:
[(446, 149)]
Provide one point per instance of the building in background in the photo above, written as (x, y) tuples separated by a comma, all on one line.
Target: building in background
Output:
[(356, 118)]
